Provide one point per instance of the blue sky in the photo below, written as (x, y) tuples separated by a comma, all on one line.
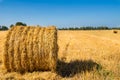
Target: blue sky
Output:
[(62, 13)]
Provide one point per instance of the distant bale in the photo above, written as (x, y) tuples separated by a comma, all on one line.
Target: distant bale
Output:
[(115, 31), (31, 49)]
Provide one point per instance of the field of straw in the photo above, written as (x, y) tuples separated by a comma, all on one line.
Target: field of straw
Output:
[(83, 55)]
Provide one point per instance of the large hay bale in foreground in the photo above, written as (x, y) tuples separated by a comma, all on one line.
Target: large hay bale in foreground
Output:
[(31, 49)]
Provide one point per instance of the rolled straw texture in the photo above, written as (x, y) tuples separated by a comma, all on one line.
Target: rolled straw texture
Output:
[(31, 49)]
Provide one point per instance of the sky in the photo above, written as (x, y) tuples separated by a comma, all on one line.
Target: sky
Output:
[(61, 13)]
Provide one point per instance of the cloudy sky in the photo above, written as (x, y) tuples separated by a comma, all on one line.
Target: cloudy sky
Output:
[(62, 13)]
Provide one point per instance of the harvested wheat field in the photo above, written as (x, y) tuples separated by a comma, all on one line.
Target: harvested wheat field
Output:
[(83, 55)]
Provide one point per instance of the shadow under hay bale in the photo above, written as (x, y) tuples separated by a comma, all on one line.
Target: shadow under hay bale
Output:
[(70, 69), (30, 49)]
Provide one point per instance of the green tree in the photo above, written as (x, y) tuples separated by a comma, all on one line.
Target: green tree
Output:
[(20, 24), (0, 27), (11, 25), (4, 28)]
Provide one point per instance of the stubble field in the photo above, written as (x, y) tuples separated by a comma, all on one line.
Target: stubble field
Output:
[(83, 55)]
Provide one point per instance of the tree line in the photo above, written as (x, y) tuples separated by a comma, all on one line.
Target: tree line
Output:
[(12, 25), (65, 28), (3, 27), (90, 28)]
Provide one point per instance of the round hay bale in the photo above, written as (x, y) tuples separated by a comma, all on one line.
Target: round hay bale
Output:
[(31, 49), (115, 31)]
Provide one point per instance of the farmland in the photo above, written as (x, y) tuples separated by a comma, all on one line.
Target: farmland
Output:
[(84, 55)]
